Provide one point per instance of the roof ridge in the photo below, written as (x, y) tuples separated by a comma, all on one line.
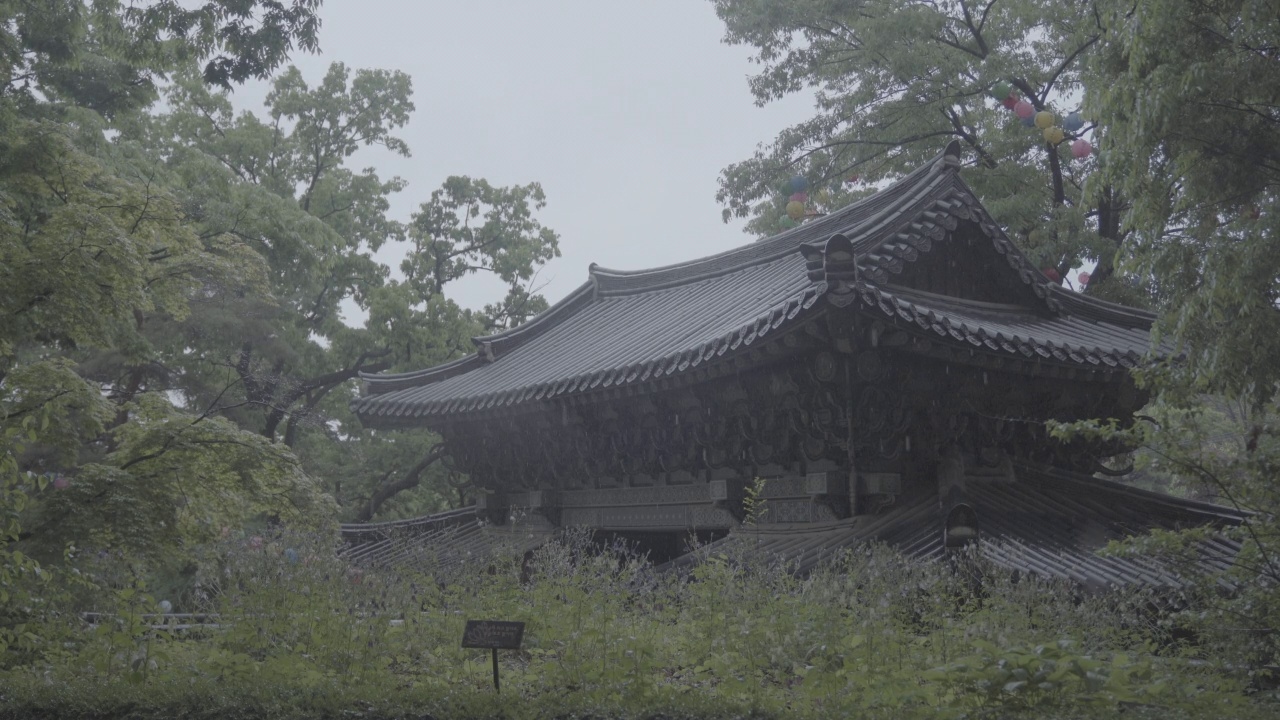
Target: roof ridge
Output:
[(910, 293), (1103, 310), (1185, 504), (788, 242)]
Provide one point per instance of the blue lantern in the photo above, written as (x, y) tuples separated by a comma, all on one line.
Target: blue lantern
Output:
[(1072, 122), (1029, 121), (799, 184)]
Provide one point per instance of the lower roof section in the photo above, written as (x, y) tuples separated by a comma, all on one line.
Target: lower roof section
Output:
[(447, 540), (1048, 523)]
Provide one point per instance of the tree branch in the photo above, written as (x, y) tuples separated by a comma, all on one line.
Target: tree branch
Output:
[(411, 479)]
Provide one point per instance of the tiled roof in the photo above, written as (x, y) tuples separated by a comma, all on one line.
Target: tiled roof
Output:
[(1013, 329), (632, 327), (1048, 523), (434, 542)]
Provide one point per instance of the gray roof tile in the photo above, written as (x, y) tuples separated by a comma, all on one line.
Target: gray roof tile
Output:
[(1049, 523), (633, 327)]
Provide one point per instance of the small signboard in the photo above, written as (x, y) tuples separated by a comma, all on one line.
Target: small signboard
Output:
[(493, 634)]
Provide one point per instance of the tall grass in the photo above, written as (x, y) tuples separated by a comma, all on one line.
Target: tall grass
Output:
[(290, 630)]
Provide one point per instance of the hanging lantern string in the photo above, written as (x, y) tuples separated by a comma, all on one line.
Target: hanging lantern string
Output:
[(1032, 111)]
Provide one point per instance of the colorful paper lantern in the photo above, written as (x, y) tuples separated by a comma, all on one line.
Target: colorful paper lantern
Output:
[(165, 606), (1054, 135), (1044, 119), (1052, 274), (800, 197), (1028, 121), (60, 482), (795, 210), (1001, 90), (786, 223), (1024, 109), (799, 184), (1083, 277), (1010, 102), (1072, 122), (1081, 148)]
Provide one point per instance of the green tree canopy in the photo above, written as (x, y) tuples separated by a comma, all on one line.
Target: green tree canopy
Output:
[(97, 247), (1188, 94), (176, 276), (894, 82)]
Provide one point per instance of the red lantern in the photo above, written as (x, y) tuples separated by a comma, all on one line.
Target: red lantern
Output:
[(1083, 277), (61, 482), (1052, 274), (1024, 109), (1010, 101), (800, 197), (1081, 148)]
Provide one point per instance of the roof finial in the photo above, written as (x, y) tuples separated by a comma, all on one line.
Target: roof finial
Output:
[(951, 156), (840, 268)]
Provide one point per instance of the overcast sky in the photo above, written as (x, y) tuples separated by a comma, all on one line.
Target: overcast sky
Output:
[(626, 112)]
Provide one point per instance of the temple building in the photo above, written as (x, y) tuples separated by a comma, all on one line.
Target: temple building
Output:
[(884, 372)]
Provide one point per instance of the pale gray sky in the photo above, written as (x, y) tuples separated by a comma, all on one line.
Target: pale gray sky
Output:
[(625, 112)]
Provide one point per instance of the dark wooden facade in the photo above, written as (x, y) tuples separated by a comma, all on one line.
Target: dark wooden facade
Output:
[(898, 353)]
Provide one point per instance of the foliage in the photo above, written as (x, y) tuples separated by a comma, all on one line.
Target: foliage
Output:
[(1236, 613), (281, 184), (895, 82), (868, 635), (1189, 104), (93, 246), (107, 55), (176, 278), (1187, 92)]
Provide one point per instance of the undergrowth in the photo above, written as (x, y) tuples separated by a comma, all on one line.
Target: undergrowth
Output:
[(289, 630)]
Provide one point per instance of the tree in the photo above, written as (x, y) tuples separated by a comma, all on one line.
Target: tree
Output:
[(1189, 95), (894, 82), (281, 185), (107, 55), (95, 246)]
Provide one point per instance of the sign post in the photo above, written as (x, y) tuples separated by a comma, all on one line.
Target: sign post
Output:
[(493, 635)]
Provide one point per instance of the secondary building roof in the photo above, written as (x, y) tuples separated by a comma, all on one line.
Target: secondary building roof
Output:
[(1049, 523)]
